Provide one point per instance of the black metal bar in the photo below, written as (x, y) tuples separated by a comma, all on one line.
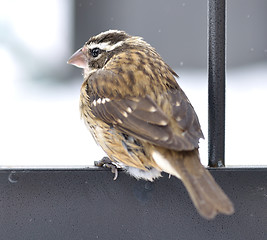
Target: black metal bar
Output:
[(216, 75), (88, 204)]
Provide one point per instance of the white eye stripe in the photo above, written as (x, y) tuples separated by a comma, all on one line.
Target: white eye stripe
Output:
[(110, 31), (106, 46)]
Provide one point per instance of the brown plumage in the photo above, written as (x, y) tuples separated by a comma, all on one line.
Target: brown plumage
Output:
[(142, 119)]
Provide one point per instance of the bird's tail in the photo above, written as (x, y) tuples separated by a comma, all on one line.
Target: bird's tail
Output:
[(207, 196)]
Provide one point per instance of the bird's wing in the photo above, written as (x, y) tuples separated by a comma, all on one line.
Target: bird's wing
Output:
[(142, 118)]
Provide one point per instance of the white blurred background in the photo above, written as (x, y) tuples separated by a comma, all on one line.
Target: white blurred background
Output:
[(40, 124)]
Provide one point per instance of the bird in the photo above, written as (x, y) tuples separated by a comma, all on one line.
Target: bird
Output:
[(136, 111)]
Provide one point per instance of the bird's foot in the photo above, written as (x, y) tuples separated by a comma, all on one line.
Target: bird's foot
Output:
[(107, 163)]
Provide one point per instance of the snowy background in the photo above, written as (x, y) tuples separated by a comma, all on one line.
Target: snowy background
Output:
[(40, 123)]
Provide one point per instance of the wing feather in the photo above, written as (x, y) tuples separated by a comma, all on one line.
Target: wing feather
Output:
[(142, 118)]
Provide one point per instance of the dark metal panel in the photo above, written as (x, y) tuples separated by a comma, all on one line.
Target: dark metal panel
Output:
[(88, 204), (216, 72)]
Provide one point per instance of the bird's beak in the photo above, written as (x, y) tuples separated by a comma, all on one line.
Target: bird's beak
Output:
[(78, 59)]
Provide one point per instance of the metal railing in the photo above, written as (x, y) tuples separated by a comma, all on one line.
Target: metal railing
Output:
[(216, 75)]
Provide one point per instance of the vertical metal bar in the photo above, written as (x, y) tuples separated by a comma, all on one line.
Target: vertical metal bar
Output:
[(216, 75)]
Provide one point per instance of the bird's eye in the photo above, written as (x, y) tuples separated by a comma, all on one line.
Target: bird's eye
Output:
[(95, 52)]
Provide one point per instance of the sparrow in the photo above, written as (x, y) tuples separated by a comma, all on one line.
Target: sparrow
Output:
[(136, 111)]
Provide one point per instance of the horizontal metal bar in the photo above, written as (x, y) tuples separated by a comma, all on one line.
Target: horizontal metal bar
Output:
[(88, 204)]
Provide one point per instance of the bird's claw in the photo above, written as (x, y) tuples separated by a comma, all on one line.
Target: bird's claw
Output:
[(106, 162)]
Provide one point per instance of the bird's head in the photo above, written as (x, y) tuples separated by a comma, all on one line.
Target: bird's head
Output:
[(99, 49)]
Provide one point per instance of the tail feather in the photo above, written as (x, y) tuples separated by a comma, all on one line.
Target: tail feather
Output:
[(207, 196)]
